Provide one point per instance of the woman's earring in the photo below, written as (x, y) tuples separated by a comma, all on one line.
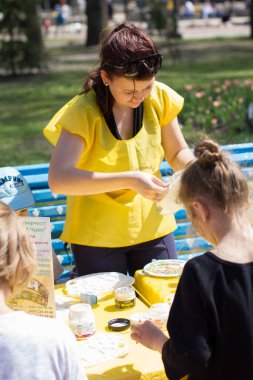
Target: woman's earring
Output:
[(106, 96)]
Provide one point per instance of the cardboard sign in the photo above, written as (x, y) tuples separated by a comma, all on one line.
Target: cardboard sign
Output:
[(38, 297)]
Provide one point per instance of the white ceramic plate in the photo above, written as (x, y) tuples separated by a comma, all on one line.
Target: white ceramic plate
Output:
[(99, 284), (164, 268)]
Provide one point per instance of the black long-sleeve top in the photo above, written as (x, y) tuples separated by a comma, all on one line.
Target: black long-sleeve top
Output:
[(211, 322)]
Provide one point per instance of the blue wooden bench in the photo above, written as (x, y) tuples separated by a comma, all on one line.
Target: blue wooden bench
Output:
[(50, 205)]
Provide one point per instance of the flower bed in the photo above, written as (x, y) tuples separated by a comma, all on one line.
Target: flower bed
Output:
[(222, 106)]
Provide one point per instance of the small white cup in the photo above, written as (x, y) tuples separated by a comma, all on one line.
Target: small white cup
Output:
[(137, 318)]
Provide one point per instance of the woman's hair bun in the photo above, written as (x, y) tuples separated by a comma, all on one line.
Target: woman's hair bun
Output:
[(208, 152)]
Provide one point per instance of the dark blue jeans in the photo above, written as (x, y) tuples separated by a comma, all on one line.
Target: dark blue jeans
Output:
[(123, 259)]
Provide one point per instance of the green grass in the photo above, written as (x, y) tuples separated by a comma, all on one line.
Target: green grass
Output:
[(26, 106), (27, 103), (200, 62)]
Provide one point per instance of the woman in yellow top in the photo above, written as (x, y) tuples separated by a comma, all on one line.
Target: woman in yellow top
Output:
[(109, 144)]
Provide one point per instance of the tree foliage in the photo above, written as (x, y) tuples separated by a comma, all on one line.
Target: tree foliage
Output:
[(160, 15), (21, 45)]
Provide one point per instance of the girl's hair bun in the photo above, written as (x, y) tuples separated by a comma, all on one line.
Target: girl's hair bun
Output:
[(215, 177), (208, 152)]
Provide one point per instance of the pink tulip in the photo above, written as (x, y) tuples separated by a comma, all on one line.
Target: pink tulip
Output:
[(199, 94), (188, 87), (214, 121)]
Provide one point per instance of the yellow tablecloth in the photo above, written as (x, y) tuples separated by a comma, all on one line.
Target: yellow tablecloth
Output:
[(155, 289), (139, 364)]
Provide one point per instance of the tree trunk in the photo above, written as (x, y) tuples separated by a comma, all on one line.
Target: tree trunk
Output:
[(96, 11), (33, 24), (251, 18), (125, 2), (175, 19)]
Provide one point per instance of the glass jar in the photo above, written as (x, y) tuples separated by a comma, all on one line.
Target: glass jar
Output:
[(82, 320), (124, 297), (158, 314)]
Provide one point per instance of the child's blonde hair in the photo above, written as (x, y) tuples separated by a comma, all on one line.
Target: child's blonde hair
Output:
[(17, 259), (215, 177)]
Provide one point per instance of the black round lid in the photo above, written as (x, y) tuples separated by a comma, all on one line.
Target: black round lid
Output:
[(119, 324)]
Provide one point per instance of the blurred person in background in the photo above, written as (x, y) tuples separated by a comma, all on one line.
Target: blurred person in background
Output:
[(189, 10), (207, 10)]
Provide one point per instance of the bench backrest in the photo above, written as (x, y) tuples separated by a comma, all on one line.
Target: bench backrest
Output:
[(188, 244)]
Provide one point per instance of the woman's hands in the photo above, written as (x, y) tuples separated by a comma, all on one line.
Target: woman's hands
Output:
[(149, 335), (66, 178), (148, 185)]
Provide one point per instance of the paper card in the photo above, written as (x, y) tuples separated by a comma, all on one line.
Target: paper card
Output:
[(170, 204), (38, 297)]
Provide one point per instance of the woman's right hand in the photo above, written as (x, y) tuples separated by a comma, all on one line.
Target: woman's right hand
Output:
[(66, 178), (149, 186)]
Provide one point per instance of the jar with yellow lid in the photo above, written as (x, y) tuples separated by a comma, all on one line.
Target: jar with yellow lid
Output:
[(124, 297)]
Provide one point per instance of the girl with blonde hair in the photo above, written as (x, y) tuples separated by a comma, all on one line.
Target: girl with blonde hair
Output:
[(32, 348)]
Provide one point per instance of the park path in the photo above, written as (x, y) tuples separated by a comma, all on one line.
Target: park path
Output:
[(70, 60), (189, 29)]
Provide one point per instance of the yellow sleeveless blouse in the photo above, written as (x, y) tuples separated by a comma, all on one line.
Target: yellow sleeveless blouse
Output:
[(117, 218)]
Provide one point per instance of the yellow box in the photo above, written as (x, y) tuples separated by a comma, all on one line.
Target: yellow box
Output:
[(155, 289)]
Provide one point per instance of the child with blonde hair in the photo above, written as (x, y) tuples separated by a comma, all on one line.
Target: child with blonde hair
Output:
[(31, 347), (210, 324)]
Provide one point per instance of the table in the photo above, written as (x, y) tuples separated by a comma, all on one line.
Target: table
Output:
[(155, 289), (140, 363)]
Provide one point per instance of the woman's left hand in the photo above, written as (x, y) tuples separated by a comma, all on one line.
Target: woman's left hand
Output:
[(149, 335)]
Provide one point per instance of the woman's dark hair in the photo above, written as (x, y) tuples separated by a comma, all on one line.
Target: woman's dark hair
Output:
[(214, 177), (124, 43)]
